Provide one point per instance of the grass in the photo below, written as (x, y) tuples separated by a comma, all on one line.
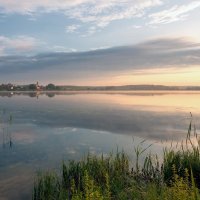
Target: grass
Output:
[(113, 178), (186, 157)]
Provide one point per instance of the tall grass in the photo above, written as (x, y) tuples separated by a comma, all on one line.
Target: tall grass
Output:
[(114, 178), (187, 156)]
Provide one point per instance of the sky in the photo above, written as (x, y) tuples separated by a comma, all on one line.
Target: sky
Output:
[(104, 42)]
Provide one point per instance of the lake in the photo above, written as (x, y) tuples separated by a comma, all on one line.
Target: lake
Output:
[(47, 128)]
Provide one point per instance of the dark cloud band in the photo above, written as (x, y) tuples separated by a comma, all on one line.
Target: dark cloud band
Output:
[(161, 53)]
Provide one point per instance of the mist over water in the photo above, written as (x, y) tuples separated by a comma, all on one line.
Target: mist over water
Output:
[(47, 128)]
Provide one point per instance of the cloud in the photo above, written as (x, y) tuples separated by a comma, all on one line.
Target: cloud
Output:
[(137, 26), (176, 13), (31, 7), (100, 48), (164, 53), (63, 49), (91, 31), (99, 13), (72, 28), (19, 44), (170, 44), (104, 12)]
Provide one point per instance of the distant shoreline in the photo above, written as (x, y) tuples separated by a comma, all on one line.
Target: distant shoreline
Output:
[(51, 87), (101, 92)]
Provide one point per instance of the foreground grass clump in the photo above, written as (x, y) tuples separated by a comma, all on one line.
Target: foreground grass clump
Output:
[(187, 156), (92, 178), (107, 178), (113, 178)]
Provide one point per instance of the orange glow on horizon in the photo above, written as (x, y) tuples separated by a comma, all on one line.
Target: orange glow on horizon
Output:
[(166, 76)]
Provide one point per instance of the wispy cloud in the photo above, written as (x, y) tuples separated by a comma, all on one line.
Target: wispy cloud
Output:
[(176, 13), (58, 48), (30, 7), (91, 31), (17, 44), (99, 13), (100, 48), (137, 26), (104, 12), (72, 28)]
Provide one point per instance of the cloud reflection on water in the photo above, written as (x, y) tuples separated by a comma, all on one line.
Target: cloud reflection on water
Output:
[(152, 117), (46, 130)]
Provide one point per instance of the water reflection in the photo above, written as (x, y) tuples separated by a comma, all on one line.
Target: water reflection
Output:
[(49, 127), (5, 128), (127, 93), (151, 117), (7, 141)]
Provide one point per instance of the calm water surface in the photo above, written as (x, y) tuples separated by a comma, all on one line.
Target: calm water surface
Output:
[(49, 128)]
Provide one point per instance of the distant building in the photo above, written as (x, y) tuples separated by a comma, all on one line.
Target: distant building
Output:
[(37, 86), (10, 86)]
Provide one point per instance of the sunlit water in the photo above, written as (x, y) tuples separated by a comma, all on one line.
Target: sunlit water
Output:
[(49, 128)]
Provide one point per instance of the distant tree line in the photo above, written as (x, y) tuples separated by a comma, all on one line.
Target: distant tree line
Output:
[(52, 87), (30, 87)]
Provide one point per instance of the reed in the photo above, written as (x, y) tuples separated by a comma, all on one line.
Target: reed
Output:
[(187, 156), (113, 177)]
